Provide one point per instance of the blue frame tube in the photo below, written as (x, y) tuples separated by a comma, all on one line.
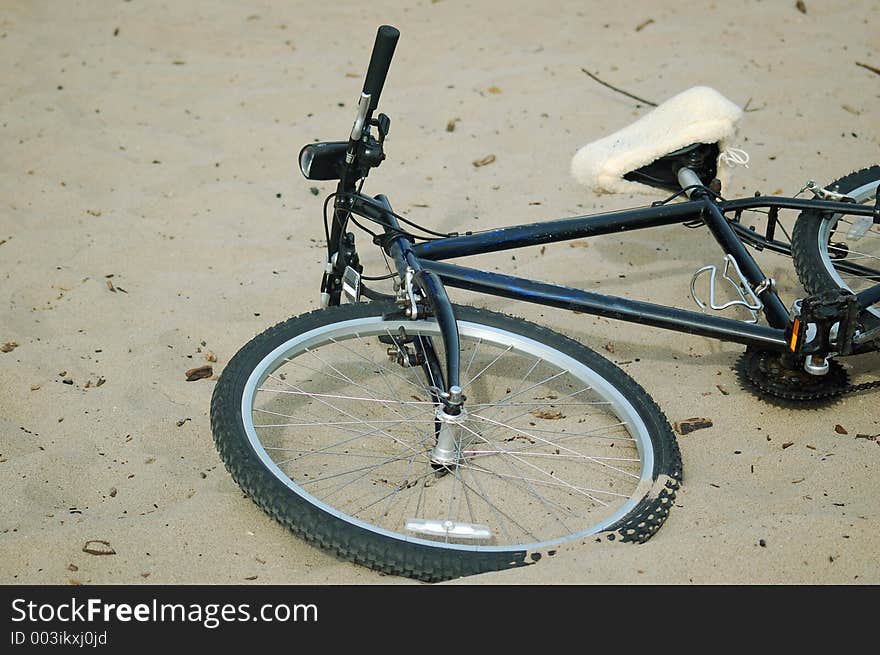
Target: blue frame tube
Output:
[(588, 302), (534, 234), (427, 256), (775, 311)]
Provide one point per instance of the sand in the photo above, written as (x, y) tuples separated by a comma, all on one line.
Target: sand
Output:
[(153, 216)]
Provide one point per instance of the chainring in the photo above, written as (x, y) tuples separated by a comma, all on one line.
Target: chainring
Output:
[(764, 374)]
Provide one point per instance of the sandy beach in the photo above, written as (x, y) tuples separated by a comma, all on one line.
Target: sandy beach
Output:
[(153, 219)]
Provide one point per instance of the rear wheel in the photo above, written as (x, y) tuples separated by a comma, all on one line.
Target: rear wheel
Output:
[(833, 251), (325, 430)]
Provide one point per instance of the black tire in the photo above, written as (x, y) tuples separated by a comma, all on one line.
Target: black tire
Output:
[(820, 244), (434, 558)]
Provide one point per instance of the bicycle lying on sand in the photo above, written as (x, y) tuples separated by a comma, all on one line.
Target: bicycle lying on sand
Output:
[(434, 440)]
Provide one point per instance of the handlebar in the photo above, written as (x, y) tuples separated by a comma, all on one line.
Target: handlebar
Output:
[(380, 61)]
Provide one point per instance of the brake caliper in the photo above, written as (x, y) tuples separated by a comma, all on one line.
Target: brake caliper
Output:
[(400, 350)]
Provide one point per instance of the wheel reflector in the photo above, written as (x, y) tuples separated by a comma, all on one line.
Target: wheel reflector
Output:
[(435, 527), (792, 345)]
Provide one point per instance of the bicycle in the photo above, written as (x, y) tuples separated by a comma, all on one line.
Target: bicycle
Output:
[(433, 440)]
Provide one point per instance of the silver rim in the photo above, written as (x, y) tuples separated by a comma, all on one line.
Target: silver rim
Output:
[(548, 451), (865, 250)]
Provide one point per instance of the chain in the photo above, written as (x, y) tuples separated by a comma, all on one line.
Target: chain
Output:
[(864, 386)]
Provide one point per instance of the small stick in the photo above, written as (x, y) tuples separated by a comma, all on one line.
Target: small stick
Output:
[(870, 68), (747, 106), (613, 88)]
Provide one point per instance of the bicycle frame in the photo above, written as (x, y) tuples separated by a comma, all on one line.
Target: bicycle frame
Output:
[(397, 468), (421, 266), (425, 265)]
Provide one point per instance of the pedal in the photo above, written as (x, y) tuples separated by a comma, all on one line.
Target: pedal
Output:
[(823, 325), (748, 297)]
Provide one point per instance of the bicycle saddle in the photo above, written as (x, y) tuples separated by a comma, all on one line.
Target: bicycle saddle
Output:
[(642, 155)]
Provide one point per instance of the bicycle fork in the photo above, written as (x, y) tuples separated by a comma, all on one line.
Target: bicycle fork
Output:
[(422, 294), (445, 389)]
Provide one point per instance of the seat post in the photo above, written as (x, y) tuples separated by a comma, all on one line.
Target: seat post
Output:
[(687, 178)]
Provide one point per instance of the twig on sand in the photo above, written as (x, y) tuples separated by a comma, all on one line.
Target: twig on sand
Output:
[(614, 88), (748, 107), (869, 67)]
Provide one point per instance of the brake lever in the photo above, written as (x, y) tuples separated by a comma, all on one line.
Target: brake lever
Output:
[(360, 121)]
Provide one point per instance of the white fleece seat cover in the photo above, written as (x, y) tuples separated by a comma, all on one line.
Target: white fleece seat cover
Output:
[(698, 115)]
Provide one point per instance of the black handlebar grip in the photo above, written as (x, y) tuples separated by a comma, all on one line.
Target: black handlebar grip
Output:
[(380, 61)]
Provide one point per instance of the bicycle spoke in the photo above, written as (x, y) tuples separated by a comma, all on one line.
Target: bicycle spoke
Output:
[(333, 423), (503, 402), (383, 368), (356, 437), (358, 434), (549, 474), (366, 359), (364, 470), (320, 397), (474, 379), (595, 434), (530, 490), (553, 404), (324, 452), (394, 491), (501, 451), (350, 381), (551, 443), (467, 369), (404, 484), (559, 484), (506, 515)]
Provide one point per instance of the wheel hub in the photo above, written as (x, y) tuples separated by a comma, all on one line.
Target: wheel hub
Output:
[(447, 451)]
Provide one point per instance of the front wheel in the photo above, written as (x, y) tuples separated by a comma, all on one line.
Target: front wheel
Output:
[(326, 431), (833, 251)]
